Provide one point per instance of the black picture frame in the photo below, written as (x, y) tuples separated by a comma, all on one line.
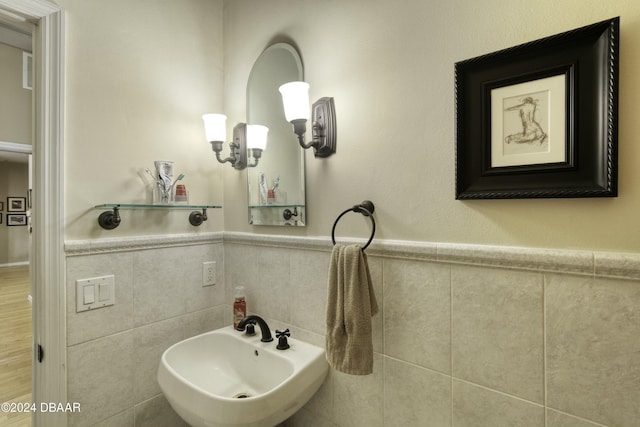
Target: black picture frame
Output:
[(585, 62), (0, 218), (14, 220), (16, 204)]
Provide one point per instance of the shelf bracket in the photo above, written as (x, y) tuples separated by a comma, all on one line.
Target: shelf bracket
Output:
[(287, 214), (196, 218), (110, 220)]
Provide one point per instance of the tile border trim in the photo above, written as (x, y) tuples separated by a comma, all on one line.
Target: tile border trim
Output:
[(583, 262), (135, 243)]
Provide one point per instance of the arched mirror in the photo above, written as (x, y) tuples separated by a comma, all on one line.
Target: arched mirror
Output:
[(277, 184)]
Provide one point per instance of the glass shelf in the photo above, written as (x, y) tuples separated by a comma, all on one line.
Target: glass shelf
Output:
[(278, 214), (110, 219), (151, 206), (292, 205)]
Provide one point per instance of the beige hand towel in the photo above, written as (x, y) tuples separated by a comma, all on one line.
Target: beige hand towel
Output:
[(350, 305)]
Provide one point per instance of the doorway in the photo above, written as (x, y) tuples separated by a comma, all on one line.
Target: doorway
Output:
[(16, 130), (47, 255)]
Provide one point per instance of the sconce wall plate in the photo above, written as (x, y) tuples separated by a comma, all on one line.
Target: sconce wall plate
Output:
[(323, 116), (239, 146)]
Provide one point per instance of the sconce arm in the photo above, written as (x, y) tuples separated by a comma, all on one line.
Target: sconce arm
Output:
[(306, 145), (300, 129), (216, 146), (256, 153), (323, 138), (238, 155), (227, 160)]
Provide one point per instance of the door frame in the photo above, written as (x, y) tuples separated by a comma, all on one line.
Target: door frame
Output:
[(48, 261)]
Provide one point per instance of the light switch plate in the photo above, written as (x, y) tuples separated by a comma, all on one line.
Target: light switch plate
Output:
[(96, 292)]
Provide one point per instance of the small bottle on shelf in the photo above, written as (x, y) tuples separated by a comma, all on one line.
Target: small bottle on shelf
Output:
[(239, 306)]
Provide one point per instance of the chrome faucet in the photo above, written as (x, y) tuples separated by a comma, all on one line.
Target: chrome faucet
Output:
[(264, 328)]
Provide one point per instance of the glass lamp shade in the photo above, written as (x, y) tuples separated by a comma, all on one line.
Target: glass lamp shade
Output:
[(215, 127), (257, 136), (295, 98)]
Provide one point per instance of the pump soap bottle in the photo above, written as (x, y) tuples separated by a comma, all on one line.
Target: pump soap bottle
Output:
[(239, 306)]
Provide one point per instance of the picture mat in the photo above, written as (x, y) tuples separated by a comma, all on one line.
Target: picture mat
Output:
[(549, 96)]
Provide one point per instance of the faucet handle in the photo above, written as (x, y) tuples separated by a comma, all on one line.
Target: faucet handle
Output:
[(284, 333), (282, 339)]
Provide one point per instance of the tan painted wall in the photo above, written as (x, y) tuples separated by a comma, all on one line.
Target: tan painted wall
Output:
[(15, 127), (390, 67), (15, 102), (139, 75), (14, 240)]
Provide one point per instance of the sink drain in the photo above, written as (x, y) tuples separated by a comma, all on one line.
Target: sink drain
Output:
[(241, 396)]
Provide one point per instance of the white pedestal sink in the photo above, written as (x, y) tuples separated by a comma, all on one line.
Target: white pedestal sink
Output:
[(224, 378)]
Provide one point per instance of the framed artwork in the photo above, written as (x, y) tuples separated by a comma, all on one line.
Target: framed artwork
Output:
[(1, 206), (0, 218), (16, 204), (540, 119), (16, 219)]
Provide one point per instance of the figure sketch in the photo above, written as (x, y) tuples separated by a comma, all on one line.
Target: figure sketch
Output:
[(532, 132)]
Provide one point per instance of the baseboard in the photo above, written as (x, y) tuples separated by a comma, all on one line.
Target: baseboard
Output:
[(14, 264)]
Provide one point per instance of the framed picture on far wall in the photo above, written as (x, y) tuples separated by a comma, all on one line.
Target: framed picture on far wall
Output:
[(0, 218), (16, 220), (16, 204), (1, 206)]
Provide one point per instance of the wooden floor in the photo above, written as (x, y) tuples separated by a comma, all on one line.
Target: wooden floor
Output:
[(15, 343)]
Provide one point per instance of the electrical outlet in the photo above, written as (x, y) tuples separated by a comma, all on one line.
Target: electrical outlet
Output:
[(209, 273)]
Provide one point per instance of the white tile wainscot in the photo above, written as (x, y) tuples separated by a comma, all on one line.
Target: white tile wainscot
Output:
[(113, 352), (482, 330)]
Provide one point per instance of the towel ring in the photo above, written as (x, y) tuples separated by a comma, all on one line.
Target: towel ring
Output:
[(366, 208)]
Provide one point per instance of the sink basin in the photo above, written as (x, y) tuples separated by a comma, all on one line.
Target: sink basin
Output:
[(225, 378)]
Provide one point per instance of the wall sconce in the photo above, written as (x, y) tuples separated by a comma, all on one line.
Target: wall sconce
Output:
[(295, 98), (245, 138)]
